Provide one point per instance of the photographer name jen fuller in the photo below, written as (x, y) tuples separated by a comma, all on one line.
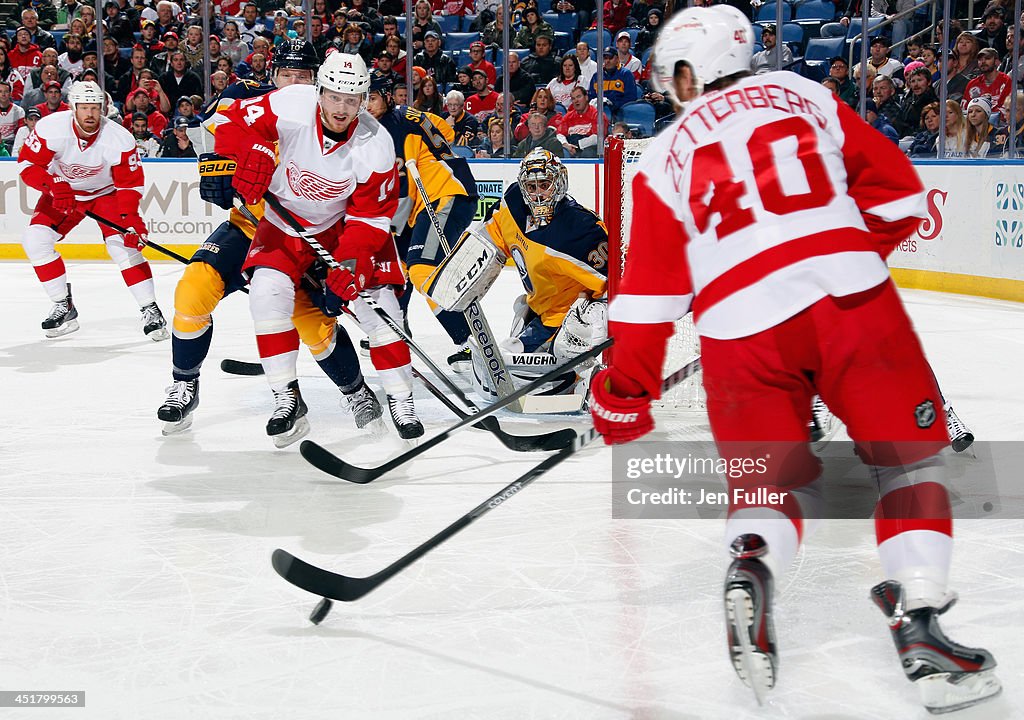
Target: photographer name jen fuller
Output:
[(679, 496)]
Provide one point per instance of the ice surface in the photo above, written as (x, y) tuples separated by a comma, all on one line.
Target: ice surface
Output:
[(137, 567)]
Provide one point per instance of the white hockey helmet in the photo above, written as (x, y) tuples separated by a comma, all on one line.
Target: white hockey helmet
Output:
[(714, 41), (343, 73), (544, 182), (85, 92)]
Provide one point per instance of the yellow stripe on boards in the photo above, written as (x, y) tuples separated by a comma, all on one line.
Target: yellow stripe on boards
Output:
[(93, 251), (997, 288)]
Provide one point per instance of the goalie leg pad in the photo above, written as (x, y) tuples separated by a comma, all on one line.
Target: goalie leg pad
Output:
[(466, 274)]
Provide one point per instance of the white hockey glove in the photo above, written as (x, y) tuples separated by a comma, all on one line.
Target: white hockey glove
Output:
[(467, 273)]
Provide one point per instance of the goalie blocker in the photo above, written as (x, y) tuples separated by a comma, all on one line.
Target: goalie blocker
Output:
[(467, 273)]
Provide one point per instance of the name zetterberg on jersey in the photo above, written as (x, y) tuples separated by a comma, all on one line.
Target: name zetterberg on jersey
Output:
[(706, 116)]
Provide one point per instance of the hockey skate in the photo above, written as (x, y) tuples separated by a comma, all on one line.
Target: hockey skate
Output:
[(153, 324), (365, 409), (288, 422), (823, 425), (948, 675), (461, 361), (960, 436), (176, 412), (748, 613), (63, 318), (403, 415)]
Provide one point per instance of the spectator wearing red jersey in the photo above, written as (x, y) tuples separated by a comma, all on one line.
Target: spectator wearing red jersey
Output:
[(54, 102), (577, 129), (25, 56), (991, 83), (142, 102), (616, 15), (452, 7), (483, 100)]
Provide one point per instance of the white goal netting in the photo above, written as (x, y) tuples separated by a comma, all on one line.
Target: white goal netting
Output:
[(682, 408)]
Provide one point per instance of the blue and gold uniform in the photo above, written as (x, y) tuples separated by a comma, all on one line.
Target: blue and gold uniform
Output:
[(215, 270), (556, 261), (449, 185)]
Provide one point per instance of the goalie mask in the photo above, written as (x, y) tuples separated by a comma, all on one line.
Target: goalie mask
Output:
[(543, 181)]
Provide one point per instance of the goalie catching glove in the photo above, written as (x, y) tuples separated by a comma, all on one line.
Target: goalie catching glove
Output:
[(620, 408), (467, 273), (584, 326)]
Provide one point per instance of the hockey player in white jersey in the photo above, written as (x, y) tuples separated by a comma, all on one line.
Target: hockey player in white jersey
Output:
[(337, 176), (560, 249), (81, 161), (770, 207)]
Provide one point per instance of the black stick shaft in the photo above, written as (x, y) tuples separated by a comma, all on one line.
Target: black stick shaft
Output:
[(149, 243)]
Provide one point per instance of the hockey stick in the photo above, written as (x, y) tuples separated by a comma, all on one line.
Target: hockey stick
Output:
[(556, 440), (474, 314), (346, 589), (333, 465), (149, 243)]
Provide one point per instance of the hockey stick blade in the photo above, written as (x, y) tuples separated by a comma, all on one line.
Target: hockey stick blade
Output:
[(347, 589), (331, 464), (240, 367), (519, 443)]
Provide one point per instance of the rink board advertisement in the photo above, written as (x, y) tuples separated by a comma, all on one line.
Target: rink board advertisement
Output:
[(971, 242)]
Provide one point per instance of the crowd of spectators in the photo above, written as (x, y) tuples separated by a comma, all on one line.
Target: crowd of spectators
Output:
[(155, 69)]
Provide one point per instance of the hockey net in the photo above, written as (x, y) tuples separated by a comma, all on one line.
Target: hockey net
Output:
[(685, 402)]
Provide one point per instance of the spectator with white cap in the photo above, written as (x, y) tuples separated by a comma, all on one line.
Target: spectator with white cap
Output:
[(624, 48), (981, 134)]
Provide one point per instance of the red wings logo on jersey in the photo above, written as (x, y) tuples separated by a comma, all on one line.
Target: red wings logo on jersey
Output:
[(310, 186), (79, 172)]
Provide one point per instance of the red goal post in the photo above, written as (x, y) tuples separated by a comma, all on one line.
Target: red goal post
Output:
[(620, 159)]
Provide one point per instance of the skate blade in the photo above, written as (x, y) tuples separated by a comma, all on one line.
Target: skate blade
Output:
[(299, 430), (66, 329), (946, 692), (375, 429), (158, 334), (176, 428), (752, 666), (461, 366)]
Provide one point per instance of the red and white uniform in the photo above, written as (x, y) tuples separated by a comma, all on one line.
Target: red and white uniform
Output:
[(106, 175), (10, 120), (345, 193), (997, 92), (772, 207)]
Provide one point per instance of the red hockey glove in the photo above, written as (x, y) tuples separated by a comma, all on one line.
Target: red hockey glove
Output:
[(136, 239), (255, 169), (620, 419), (62, 197), (350, 279)]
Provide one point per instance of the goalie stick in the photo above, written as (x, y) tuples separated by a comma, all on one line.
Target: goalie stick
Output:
[(333, 465), (555, 440), (480, 329), (335, 586)]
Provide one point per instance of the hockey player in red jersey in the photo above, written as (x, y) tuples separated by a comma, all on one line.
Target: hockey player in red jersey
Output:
[(770, 207), (337, 176), (82, 162)]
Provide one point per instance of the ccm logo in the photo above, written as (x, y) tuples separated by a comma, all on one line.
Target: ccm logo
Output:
[(471, 274), (616, 417)]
